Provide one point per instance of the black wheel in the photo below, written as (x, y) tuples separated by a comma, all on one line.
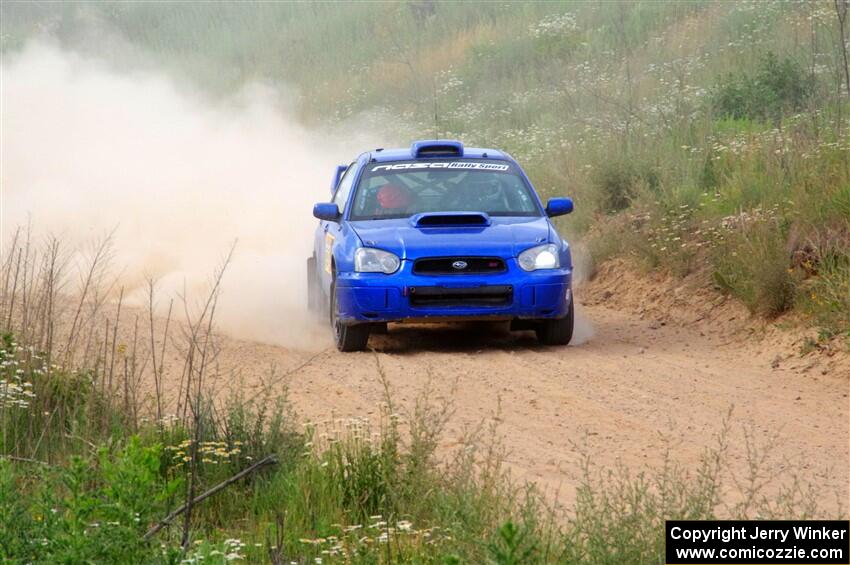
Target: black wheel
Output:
[(314, 302), (348, 337), (558, 331)]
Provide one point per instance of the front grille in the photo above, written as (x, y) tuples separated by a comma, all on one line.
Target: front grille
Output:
[(455, 265), (497, 295)]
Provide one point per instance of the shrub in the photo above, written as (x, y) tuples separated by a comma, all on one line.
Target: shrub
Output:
[(826, 296), (753, 265), (618, 183), (93, 510), (512, 546), (777, 88)]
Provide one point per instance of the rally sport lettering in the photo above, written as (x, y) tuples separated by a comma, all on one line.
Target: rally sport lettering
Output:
[(451, 165)]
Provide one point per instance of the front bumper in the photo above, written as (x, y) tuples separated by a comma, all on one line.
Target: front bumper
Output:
[(402, 296)]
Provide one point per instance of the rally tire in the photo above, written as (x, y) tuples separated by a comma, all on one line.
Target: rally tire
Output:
[(558, 331), (347, 337)]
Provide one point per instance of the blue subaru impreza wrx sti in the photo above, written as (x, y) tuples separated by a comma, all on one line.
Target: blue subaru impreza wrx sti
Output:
[(439, 232)]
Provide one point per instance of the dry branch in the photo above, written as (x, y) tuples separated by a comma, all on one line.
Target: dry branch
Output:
[(265, 461), (25, 460)]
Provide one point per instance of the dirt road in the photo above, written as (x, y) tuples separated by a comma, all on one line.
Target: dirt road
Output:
[(634, 387)]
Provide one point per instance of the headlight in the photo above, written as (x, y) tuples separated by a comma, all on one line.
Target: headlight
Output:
[(371, 260), (540, 257)]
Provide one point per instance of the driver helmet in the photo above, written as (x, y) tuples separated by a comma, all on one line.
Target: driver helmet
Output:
[(394, 197)]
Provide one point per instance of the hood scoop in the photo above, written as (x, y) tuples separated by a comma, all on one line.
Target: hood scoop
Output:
[(444, 219)]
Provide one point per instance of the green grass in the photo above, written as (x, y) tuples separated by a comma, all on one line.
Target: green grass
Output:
[(345, 491)]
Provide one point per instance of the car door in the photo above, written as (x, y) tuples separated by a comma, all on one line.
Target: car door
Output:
[(330, 232)]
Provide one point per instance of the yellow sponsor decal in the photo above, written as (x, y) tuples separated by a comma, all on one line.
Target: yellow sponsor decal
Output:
[(329, 245)]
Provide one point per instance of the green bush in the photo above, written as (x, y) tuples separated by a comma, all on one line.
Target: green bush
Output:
[(777, 89), (94, 510), (826, 296), (618, 182), (753, 265), (512, 546)]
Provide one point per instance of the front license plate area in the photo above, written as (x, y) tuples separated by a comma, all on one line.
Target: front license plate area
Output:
[(445, 296)]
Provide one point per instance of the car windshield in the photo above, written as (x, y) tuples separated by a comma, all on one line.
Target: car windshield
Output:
[(402, 189)]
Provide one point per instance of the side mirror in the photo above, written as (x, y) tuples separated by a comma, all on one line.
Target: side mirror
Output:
[(559, 207), (339, 170), (326, 211)]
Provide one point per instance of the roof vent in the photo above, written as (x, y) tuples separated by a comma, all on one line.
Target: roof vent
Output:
[(437, 148)]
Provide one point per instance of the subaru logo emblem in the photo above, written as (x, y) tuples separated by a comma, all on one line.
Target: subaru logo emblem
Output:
[(459, 265)]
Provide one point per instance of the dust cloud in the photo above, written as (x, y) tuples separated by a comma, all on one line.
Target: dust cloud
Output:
[(87, 149), (582, 268)]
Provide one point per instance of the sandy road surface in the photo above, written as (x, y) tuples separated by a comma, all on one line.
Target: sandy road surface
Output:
[(624, 394)]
